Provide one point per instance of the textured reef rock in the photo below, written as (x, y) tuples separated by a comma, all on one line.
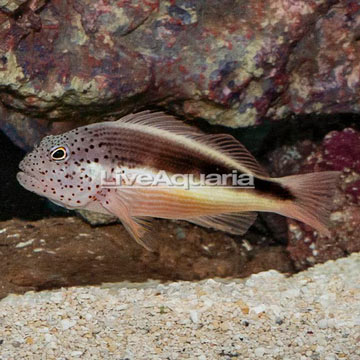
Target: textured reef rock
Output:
[(340, 150), (230, 62)]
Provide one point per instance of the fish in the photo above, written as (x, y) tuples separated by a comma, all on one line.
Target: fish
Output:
[(89, 168)]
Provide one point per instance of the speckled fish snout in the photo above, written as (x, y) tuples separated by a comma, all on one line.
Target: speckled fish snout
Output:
[(49, 171)]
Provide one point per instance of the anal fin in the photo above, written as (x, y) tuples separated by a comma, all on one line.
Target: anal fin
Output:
[(233, 223)]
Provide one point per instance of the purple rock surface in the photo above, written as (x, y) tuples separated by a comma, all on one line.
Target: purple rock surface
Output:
[(229, 62)]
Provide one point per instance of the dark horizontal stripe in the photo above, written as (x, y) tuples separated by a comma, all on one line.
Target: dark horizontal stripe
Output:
[(162, 154), (134, 147), (272, 188)]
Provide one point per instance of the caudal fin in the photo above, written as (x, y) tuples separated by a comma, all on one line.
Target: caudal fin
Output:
[(313, 195)]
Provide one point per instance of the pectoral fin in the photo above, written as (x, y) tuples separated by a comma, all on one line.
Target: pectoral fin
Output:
[(138, 227), (233, 223)]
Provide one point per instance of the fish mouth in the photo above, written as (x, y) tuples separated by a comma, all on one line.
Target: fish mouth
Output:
[(23, 173), (21, 166), (28, 181)]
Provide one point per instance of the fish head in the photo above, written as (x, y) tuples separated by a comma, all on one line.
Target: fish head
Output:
[(62, 168)]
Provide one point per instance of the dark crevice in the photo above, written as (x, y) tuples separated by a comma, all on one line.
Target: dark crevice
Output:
[(15, 201)]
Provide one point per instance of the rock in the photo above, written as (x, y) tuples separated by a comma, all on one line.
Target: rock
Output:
[(231, 63), (340, 150), (194, 316), (259, 352), (75, 253), (323, 324), (11, 5), (67, 324), (324, 68), (94, 218)]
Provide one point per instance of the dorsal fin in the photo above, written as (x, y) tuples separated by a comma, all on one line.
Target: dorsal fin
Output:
[(162, 121), (223, 143), (228, 145)]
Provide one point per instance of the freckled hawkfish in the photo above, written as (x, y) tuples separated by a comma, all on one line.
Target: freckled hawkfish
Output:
[(69, 170)]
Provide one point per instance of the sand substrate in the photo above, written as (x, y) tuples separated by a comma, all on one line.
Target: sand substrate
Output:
[(312, 315)]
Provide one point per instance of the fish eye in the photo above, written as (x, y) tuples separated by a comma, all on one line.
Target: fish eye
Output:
[(59, 153)]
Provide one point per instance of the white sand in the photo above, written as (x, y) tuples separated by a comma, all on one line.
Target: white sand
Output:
[(312, 315)]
